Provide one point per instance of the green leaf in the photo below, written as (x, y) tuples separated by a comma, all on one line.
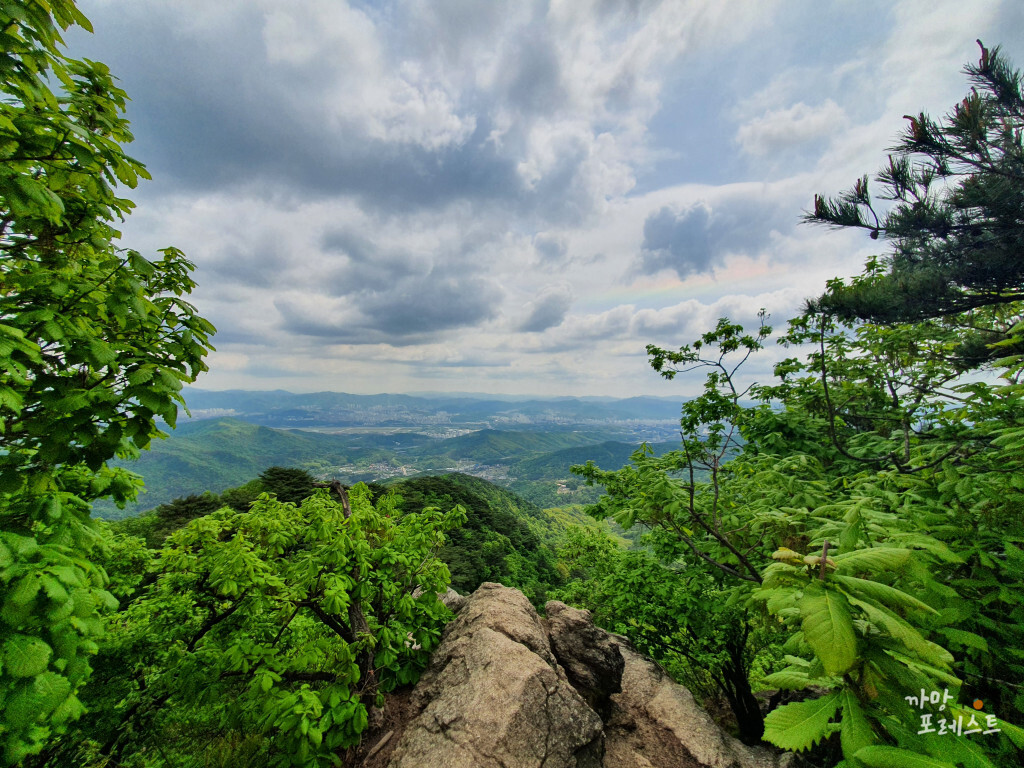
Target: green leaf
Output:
[(801, 725), (962, 750), (1013, 733), (70, 709), (50, 690), (873, 559), (21, 709), (893, 757), (964, 638), (359, 719), (882, 592), (790, 679), (141, 375), (25, 590), (907, 635), (828, 627), (25, 656), (102, 352), (855, 731)]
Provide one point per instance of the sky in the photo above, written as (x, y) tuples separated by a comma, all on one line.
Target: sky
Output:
[(512, 197)]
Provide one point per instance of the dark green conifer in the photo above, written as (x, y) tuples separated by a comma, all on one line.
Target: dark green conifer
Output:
[(288, 483), (955, 215)]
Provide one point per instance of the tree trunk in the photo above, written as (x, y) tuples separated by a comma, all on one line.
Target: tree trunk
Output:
[(742, 701)]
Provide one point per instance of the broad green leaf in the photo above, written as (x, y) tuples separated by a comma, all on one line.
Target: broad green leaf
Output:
[(828, 627), (965, 751), (102, 352), (790, 678), (1013, 732), (968, 639), (907, 635), (25, 656), (882, 592), (801, 725), (780, 598), (873, 559), (359, 718), (21, 709), (855, 731), (893, 757), (25, 590), (50, 690), (70, 709)]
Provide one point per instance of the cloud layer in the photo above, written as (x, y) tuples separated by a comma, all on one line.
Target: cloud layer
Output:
[(509, 196)]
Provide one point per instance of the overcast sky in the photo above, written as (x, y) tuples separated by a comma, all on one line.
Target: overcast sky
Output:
[(473, 195)]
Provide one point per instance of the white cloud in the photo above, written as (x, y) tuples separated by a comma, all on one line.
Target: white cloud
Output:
[(391, 101), (448, 189), (780, 129)]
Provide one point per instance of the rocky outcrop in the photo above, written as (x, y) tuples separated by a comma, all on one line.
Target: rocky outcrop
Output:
[(453, 600), (495, 697), (506, 689), (655, 722), (450, 598)]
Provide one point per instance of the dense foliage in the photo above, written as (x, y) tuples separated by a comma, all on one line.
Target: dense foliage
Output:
[(867, 505), (504, 539), (263, 635), (95, 343), (284, 483), (681, 618)]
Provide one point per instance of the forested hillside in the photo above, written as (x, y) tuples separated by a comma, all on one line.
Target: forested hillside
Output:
[(489, 535), (219, 453)]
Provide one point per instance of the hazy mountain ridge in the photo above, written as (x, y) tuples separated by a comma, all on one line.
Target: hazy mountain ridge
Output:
[(216, 454), (637, 417)]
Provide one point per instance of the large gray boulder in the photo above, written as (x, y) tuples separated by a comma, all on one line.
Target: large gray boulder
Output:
[(589, 655), (495, 697), (505, 689), (453, 600)]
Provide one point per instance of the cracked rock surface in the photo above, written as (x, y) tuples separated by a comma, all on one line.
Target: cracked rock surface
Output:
[(655, 722), (589, 655), (505, 689), (495, 697)]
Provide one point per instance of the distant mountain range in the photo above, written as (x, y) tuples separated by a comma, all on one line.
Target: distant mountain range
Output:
[(642, 418), (218, 453)]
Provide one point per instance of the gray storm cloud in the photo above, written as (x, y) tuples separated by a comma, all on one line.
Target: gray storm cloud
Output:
[(696, 239), (678, 241), (547, 310)]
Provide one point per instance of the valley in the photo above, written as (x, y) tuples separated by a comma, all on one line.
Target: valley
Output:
[(527, 446)]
